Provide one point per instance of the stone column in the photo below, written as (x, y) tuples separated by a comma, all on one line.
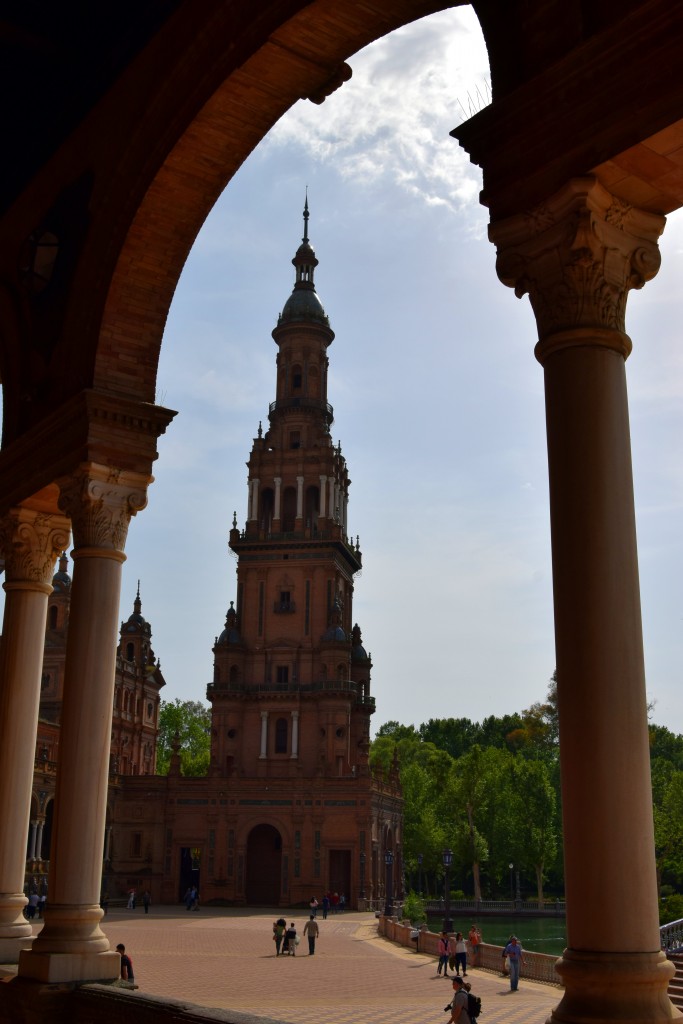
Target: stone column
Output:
[(330, 511), (31, 541), (295, 734), (32, 843), (577, 256), (253, 503), (71, 946), (39, 841), (264, 734)]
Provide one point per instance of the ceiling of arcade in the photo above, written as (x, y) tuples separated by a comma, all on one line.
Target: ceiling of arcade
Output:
[(132, 181)]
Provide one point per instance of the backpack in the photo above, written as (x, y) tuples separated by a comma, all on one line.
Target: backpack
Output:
[(473, 1006)]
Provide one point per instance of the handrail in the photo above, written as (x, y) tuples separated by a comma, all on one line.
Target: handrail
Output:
[(671, 936), (436, 907)]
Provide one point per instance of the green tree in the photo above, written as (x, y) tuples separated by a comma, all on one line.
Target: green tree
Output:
[(537, 818), (190, 721)]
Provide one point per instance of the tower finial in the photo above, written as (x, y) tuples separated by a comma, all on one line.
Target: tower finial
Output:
[(137, 604), (305, 238)]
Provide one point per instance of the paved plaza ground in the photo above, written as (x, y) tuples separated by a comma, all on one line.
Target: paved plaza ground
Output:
[(225, 958)]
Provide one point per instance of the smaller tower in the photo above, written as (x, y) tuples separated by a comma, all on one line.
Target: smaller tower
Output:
[(136, 698)]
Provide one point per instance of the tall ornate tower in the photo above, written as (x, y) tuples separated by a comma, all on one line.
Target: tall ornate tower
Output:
[(290, 697)]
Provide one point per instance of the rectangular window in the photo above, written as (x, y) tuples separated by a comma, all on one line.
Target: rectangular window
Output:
[(282, 673), (136, 844), (317, 840), (316, 867), (212, 837), (261, 599), (297, 840), (297, 867), (307, 613)]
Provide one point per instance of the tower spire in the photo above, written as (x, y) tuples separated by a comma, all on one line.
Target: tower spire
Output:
[(306, 216)]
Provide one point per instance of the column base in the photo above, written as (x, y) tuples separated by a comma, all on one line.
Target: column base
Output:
[(65, 967), (11, 947), (607, 987)]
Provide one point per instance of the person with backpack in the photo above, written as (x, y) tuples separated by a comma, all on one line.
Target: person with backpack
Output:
[(465, 1008)]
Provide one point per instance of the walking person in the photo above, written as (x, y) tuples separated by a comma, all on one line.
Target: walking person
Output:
[(460, 954), (443, 954), (146, 900), (513, 951), (279, 927), (290, 940), (313, 906), (312, 931), (459, 1014), (326, 905)]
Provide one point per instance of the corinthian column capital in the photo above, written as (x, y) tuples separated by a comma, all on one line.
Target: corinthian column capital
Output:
[(577, 255), (31, 541), (100, 501)]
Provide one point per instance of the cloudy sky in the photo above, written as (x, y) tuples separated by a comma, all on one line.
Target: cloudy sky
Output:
[(438, 400)]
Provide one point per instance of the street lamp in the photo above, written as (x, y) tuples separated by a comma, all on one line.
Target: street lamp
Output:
[(388, 895), (447, 861), (362, 875), (419, 873), (512, 891)]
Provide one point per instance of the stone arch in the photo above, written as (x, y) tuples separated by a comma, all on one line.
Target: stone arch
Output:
[(213, 133)]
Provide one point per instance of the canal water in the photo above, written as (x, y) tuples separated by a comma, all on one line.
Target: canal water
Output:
[(537, 934)]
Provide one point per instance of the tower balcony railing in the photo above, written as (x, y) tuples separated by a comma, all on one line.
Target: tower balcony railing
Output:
[(319, 686), (299, 402)]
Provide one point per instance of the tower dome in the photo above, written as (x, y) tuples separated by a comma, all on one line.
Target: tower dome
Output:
[(304, 303)]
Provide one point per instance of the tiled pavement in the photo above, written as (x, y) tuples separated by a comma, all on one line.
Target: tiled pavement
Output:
[(225, 958)]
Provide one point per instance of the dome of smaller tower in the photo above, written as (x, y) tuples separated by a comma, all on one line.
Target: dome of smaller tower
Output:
[(230, 634), (61, 579), (137, 619), (358, 652), (303, 305)]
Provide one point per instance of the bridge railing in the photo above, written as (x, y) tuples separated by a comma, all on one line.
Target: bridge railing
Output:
[(671, 936)]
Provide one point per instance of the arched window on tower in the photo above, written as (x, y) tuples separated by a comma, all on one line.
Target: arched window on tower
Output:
[(267, 509), (312, 507), (313, 382), (288, 509), (281, 736), (341, 672), (297, 380), (52, 617), (130, 652), (234, 674)]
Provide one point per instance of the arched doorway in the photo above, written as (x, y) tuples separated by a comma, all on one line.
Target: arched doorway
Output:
[(264, 866)]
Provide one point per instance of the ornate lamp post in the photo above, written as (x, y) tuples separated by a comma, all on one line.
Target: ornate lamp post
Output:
[(362, 875), (447, 861), (419, 873), (512, 891), (389, 895)]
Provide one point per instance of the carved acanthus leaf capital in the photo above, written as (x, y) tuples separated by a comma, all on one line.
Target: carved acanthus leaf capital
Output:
[(100, 501), (31, 542), (577, 255)]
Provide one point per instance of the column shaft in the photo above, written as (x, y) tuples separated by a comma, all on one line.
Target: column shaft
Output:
[(31, 541), (71, 946), (577, 256)]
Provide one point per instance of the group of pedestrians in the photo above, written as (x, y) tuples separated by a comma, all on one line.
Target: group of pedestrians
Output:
[(453, 951), (286, 938)]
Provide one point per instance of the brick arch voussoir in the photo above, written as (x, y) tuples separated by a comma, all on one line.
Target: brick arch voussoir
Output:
[(302, 59)]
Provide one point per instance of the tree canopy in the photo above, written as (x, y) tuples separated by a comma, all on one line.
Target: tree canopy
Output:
[(190, 720)]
